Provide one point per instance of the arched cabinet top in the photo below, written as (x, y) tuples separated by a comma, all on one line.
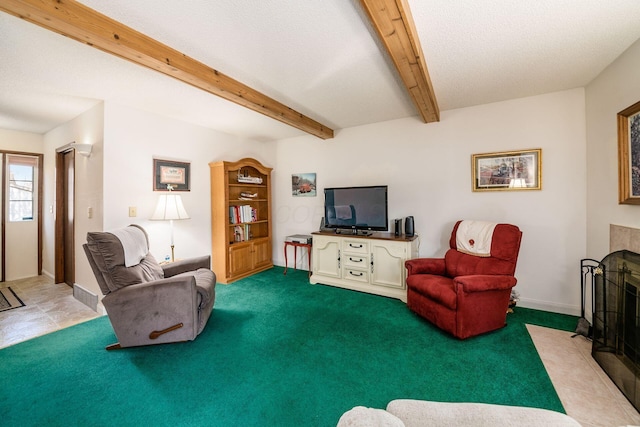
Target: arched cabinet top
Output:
[(243, 163)]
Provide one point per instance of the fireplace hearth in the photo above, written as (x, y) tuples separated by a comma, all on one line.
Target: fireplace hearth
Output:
[(616, 326)]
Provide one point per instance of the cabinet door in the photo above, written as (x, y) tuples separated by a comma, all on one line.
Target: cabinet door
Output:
[(240, 259), (261, 253), (325, 256), (387, 260)]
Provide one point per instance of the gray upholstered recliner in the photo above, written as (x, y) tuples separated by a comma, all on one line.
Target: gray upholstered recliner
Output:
[(148, 303)]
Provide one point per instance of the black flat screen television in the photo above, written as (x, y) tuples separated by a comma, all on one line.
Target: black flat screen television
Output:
[(356, 208)]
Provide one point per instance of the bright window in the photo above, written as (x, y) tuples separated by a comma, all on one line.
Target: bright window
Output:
[(22, 171)]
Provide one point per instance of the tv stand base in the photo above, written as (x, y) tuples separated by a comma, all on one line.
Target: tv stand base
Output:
[(372, 264)]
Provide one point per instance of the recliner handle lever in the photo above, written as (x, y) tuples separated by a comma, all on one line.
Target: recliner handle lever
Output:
[(155, 334)]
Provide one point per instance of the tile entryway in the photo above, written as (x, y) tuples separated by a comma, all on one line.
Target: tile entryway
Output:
[(49, 307)]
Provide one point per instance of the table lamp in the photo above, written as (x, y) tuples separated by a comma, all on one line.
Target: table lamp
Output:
[(170, 207)]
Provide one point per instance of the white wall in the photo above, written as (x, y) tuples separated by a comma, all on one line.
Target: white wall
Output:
[(615, 89), (132, 139), (27, 142), (428, 170), (88, 128), (118, 174)]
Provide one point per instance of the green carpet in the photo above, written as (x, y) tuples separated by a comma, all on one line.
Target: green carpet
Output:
[(277, 351)]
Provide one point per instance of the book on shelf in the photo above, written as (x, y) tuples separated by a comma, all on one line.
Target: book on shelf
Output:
[(242, 213)]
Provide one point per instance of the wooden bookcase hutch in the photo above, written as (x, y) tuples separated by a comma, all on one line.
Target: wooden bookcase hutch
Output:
[(240, 218)]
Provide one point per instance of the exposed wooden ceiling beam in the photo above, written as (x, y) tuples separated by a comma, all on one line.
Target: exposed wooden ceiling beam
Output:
[(393, 22), (81, 23)]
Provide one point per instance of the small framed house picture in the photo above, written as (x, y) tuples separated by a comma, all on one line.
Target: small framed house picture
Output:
[(303, 185), (170, 173)]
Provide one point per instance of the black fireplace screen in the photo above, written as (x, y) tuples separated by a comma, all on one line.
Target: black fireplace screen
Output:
[(616, 331)]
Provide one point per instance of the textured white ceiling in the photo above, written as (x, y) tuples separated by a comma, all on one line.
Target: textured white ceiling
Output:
[(318, 57)]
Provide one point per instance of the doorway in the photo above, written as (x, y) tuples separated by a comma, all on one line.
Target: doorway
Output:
[(65, 218), (21, 215)]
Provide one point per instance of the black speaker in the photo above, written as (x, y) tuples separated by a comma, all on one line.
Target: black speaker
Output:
[(409, 227), (397, 227)]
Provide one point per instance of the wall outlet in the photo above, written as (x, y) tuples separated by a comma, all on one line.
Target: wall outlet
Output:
[(133, 211)]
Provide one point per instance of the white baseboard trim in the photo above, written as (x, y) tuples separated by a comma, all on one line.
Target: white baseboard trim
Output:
[(49, 275), (85, 296), (553, 307)]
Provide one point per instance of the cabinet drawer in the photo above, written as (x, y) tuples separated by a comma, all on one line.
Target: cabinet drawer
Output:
[(356, 275), (358, 261), (355, 246)]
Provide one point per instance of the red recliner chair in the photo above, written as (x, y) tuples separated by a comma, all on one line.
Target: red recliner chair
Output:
[(467, 292)]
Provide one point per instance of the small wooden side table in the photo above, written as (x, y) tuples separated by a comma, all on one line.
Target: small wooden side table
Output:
[(296, 245)]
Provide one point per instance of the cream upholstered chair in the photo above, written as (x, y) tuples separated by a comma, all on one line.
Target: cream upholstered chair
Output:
[(418, 413), (148, 303)]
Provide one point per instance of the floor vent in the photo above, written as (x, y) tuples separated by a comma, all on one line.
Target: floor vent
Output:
[(85, 296)]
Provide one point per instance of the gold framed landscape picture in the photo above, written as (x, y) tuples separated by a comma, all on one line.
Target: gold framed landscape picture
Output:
[(629, 155), (507, 170)]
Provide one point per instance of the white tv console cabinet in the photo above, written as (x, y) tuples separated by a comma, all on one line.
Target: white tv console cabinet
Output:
[(373, 264)]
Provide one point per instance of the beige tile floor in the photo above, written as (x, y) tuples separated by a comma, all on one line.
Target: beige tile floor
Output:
[(586, 392), (49, 307)]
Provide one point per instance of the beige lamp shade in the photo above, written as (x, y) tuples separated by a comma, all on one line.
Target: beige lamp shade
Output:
[(169, 207)]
